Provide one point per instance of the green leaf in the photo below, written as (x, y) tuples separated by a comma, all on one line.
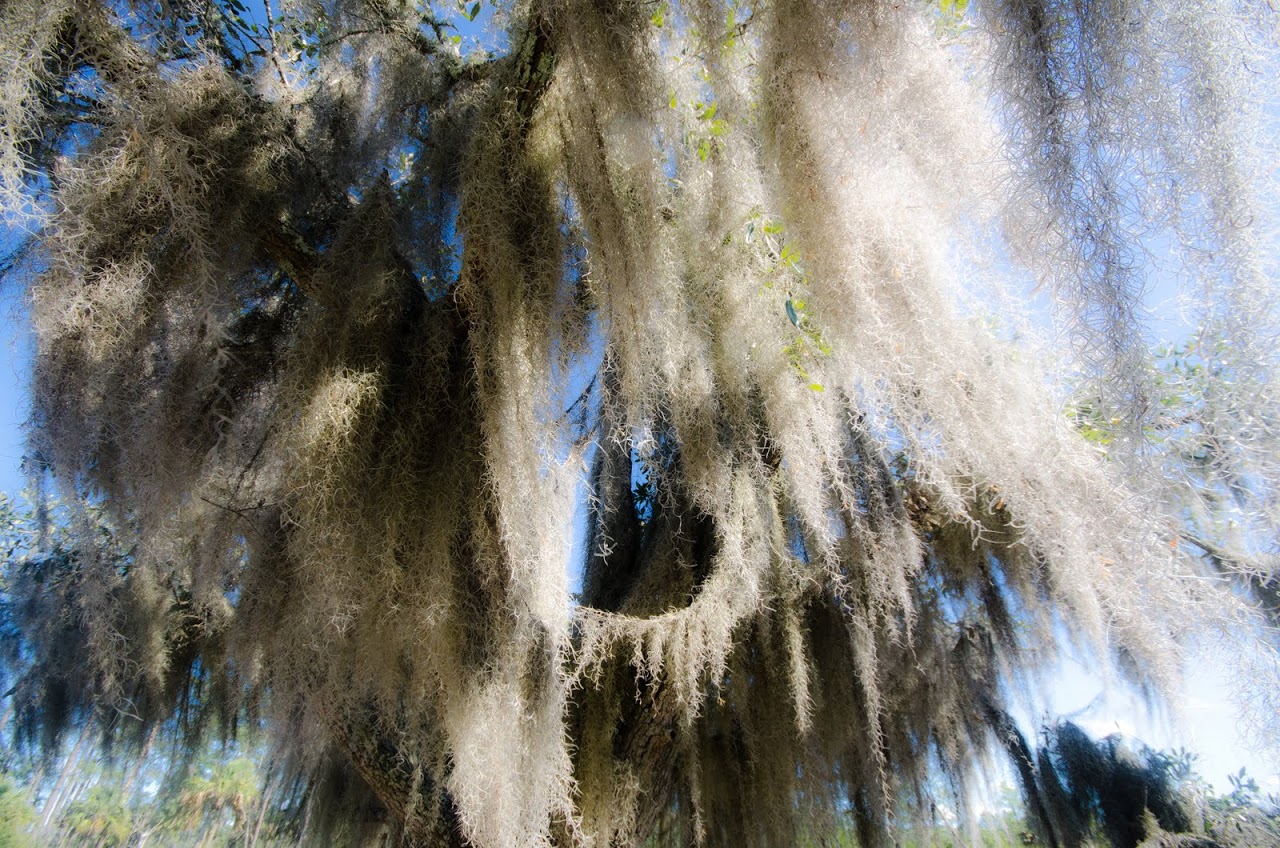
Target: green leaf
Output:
[(704, 149), (792, 314), (817, 387), (473, 11)]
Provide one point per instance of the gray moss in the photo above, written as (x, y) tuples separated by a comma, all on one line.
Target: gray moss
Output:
[(341, 455)]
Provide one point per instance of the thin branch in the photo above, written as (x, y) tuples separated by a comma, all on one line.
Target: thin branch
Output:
[(271, 35), (240, 513)]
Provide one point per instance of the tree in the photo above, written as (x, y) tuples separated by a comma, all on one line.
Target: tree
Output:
[(205, 800), (1129, 795), (16, 815), (335, 319), (100, 819)]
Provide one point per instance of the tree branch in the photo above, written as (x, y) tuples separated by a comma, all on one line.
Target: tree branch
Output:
[(394, 781)]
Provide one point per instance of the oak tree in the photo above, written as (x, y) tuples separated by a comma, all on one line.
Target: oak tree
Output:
[(343, 324)]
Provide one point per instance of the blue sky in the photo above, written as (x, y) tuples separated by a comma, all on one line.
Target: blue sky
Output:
[(1206, 720), (14, 378)]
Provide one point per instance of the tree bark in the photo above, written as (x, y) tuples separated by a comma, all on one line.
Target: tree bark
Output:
[(649, 745), (392, 779)]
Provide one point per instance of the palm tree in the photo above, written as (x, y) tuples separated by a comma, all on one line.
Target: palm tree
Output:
[(229, 786), (100, 818)]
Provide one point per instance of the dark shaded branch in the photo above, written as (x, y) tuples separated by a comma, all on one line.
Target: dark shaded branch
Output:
[(374, 757), (613, 533), (648, 744), (535, 63), (296, 258), (1015, 746), (1261, 577), (392, 778)]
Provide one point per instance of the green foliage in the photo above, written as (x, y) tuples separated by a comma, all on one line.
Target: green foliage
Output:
[(951, 16), (230, 786), (16, 815), (808, 345), (101, 817)]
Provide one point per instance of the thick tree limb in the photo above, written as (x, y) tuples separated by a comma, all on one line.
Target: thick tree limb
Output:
[(394, 781)]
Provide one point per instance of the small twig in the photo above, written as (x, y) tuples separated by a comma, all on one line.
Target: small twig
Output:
[(239, 513), (585, 393), (1243, 564)]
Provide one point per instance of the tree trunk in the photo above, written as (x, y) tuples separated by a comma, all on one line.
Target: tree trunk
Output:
[(53, 804), (132, 779), (649, 745), (251, 835)]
